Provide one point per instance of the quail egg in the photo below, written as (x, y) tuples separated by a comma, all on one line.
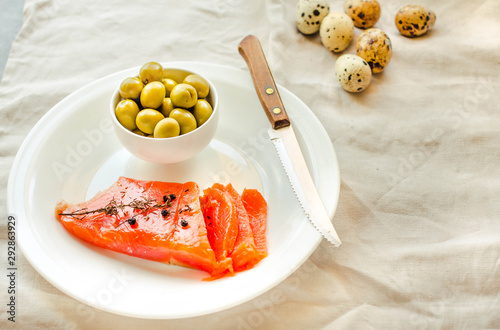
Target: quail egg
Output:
[(374, 46), (364, 13), (414, 20), (353, 73), (336, 31), (309, 14)]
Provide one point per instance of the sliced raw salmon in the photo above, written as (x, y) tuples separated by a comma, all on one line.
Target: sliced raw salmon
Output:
[(153, 220), (220, 221), (256, 207), (245, 254)]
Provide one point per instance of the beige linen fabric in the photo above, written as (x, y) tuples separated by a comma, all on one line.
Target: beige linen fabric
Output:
[(419, 208)]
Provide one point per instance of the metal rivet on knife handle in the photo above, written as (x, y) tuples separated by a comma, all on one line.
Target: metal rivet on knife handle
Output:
[(263, 80)]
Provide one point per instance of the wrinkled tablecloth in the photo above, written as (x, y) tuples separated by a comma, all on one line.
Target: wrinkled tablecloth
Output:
[(419, 155)]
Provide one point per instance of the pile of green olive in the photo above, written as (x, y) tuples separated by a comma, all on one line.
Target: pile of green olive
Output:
[(155, 105)]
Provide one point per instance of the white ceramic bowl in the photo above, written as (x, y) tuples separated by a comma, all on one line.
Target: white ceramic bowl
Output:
[(173, 149)]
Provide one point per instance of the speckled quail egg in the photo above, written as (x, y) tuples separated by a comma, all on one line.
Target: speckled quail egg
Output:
[(309, 14), (374, 46), (364, 13), (414, 20), (336, 32), (353, 73)]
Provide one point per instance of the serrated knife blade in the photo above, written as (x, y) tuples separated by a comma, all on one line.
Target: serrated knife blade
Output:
[(285, 141)]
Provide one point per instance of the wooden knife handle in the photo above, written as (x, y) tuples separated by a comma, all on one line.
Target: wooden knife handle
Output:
[(263, 80)]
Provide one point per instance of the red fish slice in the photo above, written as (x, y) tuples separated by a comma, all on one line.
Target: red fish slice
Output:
[(220, 221), (153, 220), (256, 207), (245, 254)]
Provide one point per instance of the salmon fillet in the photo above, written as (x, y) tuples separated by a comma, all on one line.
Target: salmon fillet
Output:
[(160, 221)]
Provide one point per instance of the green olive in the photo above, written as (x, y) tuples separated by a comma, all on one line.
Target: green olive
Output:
[(126, 111), (131, 88), (151, 71), (183, 96), (169, 84), (185, 118), (202, 111), (200, 84), (147, 119), (152, 95), (167, 127), (166, 106), (139, 132)]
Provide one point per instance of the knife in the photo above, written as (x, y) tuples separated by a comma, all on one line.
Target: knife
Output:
[(284, 139)]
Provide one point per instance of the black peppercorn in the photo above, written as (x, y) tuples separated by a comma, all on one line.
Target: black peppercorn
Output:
[(164, 213), (184, 223), (132, 221), (172, 197)]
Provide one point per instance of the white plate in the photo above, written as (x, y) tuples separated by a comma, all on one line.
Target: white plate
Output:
[(72, 153)]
